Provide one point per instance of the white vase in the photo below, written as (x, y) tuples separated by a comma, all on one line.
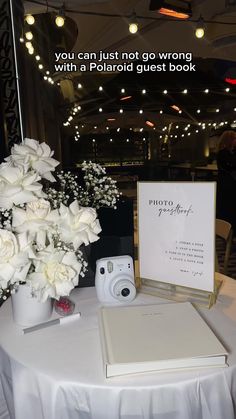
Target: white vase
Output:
[(27, 310)]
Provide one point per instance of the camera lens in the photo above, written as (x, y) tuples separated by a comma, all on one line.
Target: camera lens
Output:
[(102, 271), (125, 292)]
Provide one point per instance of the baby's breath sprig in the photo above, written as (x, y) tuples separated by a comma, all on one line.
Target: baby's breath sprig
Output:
[(6, 219)]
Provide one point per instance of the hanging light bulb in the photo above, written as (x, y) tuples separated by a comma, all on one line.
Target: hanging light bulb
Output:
[(200, 28), (30, 19), (60, 18), (133, 25), (28, 45), (29, 35)]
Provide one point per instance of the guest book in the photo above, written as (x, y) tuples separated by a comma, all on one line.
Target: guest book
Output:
[(144, 338)]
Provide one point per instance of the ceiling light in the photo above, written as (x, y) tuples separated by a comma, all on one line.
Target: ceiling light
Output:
[(60, 18), (200, 28), (80, 86), (133, 25), (149, 123), (141, 111), (230, 81), (30, 19), (175, 107), (165, 92), (179, 9), (29, 35), (121, 111), (206, 90), (199, 110), (185, 91), (100, 109), (144, 91), (126, 98), (100, 88), (227, 89), (111, 119), (123, 90)]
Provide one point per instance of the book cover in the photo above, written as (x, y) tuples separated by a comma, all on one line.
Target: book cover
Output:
[(157, 337)]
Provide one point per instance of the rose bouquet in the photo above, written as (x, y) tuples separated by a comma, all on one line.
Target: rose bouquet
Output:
[(40, 235)]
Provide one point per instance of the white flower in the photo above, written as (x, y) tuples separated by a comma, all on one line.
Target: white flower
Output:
[(17, 186), (37, 219), (14, 261), (78, 225), (56, 273), (32, 154)]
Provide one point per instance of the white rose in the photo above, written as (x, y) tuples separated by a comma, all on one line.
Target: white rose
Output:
[(17, 186), (14, 260), (38, 209), (56, 273), (8, 246), (37, 219), (78, 225), (38, 156)]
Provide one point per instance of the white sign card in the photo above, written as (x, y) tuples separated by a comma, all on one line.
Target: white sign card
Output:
[(176, 227)]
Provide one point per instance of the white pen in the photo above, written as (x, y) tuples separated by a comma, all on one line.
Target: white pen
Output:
[(61, 320)]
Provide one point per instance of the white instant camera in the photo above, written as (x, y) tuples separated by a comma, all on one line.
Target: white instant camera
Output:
[(114, 279)]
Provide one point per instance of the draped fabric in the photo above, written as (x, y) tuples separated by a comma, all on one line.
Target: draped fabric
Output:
[(57, 372)]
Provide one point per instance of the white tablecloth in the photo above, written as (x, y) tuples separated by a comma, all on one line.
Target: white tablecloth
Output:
[(57, 373)]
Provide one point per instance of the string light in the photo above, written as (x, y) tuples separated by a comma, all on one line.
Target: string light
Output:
[(121, 111), (29, 36), (144, 91), (206, 91), (200, 28), (80, 86), (100, 109), (28, 45), (40, 66), (100, 88), (185, 91), (37, 57), (133, 25), (60, 18), (30, 19), (122, 90), (140, 111), (165, 92)]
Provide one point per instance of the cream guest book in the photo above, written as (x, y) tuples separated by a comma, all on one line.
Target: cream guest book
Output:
[(137, 339)]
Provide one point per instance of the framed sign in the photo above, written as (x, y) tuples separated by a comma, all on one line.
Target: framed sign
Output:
[(176, 228)]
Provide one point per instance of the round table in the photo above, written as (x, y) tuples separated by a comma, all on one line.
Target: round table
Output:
[(57, 372)]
